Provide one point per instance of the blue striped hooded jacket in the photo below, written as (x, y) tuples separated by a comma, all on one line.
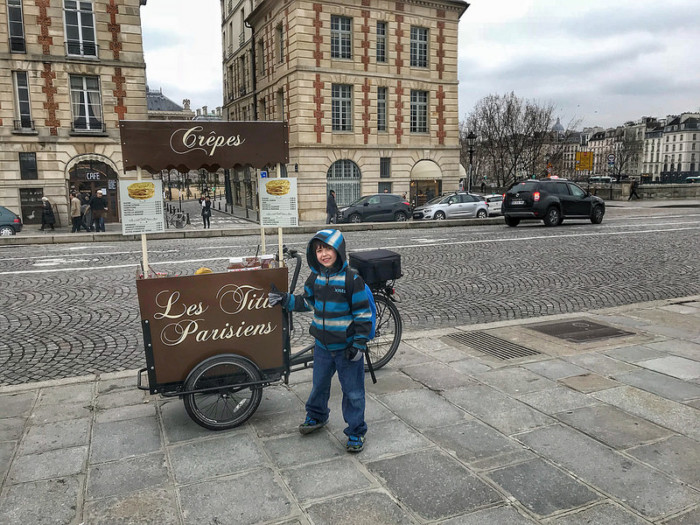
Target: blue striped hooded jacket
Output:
[(335, 325)]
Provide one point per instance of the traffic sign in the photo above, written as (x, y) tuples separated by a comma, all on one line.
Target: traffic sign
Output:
[(263, 173), (611, 157)]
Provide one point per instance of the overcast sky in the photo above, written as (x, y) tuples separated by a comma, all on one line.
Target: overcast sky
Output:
[(603, 62)]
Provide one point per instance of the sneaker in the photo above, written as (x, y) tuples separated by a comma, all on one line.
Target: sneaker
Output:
[(355, 444), (310, 424)]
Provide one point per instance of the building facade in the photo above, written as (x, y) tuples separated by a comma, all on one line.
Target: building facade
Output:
[(681, 148), (369, 90), (70, 70)]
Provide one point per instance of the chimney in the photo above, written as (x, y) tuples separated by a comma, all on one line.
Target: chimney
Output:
[(204, 110), (198, 112)]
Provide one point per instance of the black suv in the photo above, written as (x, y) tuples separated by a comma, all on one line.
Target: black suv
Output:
[(378, 207), (552, 201)]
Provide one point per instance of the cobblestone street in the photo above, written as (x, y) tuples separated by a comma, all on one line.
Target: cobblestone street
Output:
[(69, 310)]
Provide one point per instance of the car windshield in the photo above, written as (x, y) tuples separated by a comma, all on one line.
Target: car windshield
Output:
[(436, 200), (361, 200), (524, 186)]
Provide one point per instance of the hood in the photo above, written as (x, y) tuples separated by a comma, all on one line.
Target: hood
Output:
[(334, 239)]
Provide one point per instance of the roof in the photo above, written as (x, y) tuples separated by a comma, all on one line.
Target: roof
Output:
[(156, 101)]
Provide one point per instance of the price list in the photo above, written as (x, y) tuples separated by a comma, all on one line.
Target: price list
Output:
[(279, 204), (143, 213)]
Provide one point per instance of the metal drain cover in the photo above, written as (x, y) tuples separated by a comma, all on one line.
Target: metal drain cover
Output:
[(578, 330), (494, 346)]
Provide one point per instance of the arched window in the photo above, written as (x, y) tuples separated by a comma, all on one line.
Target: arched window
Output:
[(344, 178)]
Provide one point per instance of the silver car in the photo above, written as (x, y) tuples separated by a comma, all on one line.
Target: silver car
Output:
[(458, 205)]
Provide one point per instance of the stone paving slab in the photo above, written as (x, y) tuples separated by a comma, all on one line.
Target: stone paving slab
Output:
[(642, 488), (423, 409), (436, 376), (44, 502), (634, 354), (555, 368), (674, 366), (542, 488), (329, 478), (604, 514), (687, 518), (678, 456), (147, 507), (49, 464), (661, 385), (496, 515), (588, 383), (433, 485), (515, 381), (558, 399), (119, 478), (372, 507)]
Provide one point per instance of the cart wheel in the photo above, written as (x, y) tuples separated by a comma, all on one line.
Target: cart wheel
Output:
[(230, 405), (387, 335)]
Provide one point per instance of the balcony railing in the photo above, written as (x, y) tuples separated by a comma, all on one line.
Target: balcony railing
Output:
[(80, 48), (92, 125), (24, 125)]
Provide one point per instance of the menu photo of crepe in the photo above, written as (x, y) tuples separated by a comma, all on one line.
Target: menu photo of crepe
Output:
[(277, 187), (141, 190)]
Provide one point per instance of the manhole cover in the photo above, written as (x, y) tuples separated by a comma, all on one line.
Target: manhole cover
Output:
[(579, 330), (494, 346)]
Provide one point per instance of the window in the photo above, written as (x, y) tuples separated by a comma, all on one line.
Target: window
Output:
[(576, 191), (80, 28), (16, 26), (381, 41), (384, 187), (385, 167), (419, 111), (24, 113), (27, 166), (261, 58), (280, 105), (85, 103), (419, 47), (343, 177), (341, 104), (341, 37), (280, 43), (381, 109)]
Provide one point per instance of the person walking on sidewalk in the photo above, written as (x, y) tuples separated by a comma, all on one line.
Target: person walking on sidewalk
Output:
[(206, 212), (47, 216), (98, 207), (341, 331), (75, 212), (331, 208), (633, 190)]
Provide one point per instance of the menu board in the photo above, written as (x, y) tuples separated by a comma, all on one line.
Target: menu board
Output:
[(141, 206), (279, 204)]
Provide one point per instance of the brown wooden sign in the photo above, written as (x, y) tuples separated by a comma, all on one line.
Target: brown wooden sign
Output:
[(195, 317), (186, 145)]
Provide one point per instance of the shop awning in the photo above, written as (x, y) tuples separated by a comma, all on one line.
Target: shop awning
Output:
[(186, 145), (426, 169)]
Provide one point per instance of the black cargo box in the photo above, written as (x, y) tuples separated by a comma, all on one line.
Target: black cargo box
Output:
[(376, 266)]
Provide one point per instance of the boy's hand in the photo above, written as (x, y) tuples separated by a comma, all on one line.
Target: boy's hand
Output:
[(274, 296), (353, 353)]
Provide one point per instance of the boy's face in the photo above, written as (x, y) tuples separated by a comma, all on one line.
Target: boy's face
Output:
[(326, 255)]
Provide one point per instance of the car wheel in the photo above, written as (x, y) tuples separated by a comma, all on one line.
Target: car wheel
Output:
[(355, 217), (440, 216), (481, 214), (551, 218), (512, 221), (7, 230), (597, 215), (400, 216)]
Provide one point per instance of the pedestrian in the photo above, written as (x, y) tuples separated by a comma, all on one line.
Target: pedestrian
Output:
[(483, 187), (206, 212), (633, 189), (47, 216), (341, 331), (331, 208), (75, 214), (98, 207)]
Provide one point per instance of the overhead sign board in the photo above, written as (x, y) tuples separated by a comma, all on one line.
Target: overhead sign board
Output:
[(584, 161)]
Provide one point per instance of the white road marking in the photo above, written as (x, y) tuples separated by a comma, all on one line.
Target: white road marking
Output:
[(391, 247)]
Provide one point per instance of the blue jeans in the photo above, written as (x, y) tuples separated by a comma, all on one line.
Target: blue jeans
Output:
[(352, 381)]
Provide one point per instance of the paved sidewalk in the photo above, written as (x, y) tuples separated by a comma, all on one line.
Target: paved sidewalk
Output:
[(603, 431)]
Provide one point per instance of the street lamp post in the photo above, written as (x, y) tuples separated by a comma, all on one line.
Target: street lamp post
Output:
[(471, 141)]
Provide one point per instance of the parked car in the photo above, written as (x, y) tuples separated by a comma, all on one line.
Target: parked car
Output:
[(374, 208), (551, 201), (494, 200), (10, 222), (458, 205)]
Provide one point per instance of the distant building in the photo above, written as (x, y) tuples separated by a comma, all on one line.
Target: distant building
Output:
[(161, 107), (369, 90), (681, 148), (69, 72)]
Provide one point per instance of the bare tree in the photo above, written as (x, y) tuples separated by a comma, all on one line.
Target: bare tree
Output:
[(512, 134), (628, 150)]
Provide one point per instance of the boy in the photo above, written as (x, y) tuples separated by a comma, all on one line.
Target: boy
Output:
[(341, 331)]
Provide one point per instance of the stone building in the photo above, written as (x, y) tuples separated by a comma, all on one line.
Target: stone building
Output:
[(681, 148), (69, 71), (369, 90)]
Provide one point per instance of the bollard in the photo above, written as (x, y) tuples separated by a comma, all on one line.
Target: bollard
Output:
[(188, 218), (219, 205)]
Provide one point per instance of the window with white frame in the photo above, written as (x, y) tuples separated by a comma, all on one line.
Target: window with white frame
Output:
[(381, 109), (419, 111), (381, 41), (341, 104), (15, 23), (80, 28), (343, 178), (419, 46), (280, 43), (22, 103), (86, 103), (341, 37)]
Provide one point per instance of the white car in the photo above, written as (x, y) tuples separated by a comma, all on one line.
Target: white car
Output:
[(494, 202), (452, 206)]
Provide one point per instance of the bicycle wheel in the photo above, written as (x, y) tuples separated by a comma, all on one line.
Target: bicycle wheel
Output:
[(387, 335), (230, 405)]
